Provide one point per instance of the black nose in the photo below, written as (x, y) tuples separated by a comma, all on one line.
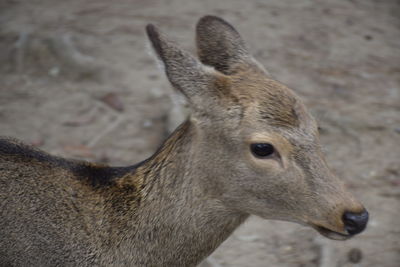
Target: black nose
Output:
[(355, 223)]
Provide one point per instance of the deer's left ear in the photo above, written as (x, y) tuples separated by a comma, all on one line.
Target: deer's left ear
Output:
[(196, 81), (220, 45)]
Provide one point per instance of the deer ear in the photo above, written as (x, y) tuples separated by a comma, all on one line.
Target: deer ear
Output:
[(220, 45), (185, 72)]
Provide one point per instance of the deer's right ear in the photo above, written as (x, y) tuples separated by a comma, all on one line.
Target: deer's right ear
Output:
[(185, 72)]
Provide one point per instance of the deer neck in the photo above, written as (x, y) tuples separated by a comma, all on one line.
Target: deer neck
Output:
[(175, 222)]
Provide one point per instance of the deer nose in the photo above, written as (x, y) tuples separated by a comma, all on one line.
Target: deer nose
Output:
[(355, 223)]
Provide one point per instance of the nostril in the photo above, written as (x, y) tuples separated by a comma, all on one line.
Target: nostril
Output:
[(355, 223)]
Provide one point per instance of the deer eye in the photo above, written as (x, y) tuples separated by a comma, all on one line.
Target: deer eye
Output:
[(262, 150)]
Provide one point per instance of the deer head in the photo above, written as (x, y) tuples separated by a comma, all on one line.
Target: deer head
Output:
[(256, 145)]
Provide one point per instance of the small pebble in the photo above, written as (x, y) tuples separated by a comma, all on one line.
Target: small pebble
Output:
[(156, 92), (153, 77), (147, 124), (287, 248), (368, 37), (354, 255), (113, 101), (247, 238), (54, 71)]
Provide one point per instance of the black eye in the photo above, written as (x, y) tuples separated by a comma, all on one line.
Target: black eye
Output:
[(262, 150)]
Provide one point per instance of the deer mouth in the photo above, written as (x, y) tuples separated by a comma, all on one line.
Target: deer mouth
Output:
[(331, 234)]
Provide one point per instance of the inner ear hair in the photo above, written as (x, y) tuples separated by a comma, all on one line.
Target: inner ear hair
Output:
[(219, 44)]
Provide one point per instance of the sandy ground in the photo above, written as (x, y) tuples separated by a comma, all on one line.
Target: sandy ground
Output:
[(76, 80)]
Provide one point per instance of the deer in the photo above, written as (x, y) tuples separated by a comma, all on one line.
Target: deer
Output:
[(249, 147)]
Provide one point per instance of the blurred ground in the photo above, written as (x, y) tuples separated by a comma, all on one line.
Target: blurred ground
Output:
[(76, 80)]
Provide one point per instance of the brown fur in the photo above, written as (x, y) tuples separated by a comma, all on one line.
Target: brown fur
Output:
[(176, 207)]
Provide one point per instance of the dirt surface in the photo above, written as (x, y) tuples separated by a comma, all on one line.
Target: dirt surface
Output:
[(77, 81)]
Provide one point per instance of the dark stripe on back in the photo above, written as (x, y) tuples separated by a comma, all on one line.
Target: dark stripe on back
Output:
[(96, 175)]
